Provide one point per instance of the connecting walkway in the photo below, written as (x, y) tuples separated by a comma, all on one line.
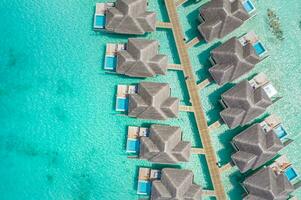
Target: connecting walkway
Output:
[(193, 90)]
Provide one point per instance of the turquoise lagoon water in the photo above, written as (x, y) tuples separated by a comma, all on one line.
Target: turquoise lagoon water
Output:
[(60, 137)]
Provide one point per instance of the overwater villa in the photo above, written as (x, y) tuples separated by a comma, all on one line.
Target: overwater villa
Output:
[(266, 184), (258, 144), (147, 100), (236, 57), (221, 17), (137, 58), (169, 184), (158, 144), (125, 17), (247, 100)]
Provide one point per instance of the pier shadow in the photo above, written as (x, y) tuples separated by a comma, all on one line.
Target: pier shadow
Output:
[(163, 11), (195, 131), (184, 90), (206, 172), (189, 3)]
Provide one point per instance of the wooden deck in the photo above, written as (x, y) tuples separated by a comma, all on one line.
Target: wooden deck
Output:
[(193, 91), (226, 167)]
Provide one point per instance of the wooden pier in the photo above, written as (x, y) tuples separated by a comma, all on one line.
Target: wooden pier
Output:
[(186, 108), (180, 2), (165, 25), (204, 83), (193, 42), (197, 151), (174, 67), (193, 91), (208, 193), (215, 125)]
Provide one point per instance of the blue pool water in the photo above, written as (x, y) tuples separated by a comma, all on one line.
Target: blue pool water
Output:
[(144, 187), (110, 62), (248, 5), (290, 173), (259, 48), (121, 104), (60, 137), (280, 131), (100, 21), (133, 146)]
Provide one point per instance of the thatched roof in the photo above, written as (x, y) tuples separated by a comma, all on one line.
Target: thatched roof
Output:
[(267, 185), (232, 60), (165, 145), (255, 147), (244, 104), (153, 101), (221, 17), (141, 59), (175, 184), (130, 17)]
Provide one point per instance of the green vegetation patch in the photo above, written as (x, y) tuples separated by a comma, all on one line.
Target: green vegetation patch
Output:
[(274, 24)]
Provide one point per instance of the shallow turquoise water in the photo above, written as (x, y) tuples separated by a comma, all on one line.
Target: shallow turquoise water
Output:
[(59, 135)]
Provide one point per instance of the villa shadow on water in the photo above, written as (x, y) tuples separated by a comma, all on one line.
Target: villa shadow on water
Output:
[(193, 21), (213, 115), (203, 58), (236, 178)]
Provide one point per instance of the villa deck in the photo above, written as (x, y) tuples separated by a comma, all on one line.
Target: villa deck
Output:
[(99, 16), (252, 38), (133, 139), (145, 177), (193, 90), (122, 96), (283, 165)]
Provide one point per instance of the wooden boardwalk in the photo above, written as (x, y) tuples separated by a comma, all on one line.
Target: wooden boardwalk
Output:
[(193, 91)]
